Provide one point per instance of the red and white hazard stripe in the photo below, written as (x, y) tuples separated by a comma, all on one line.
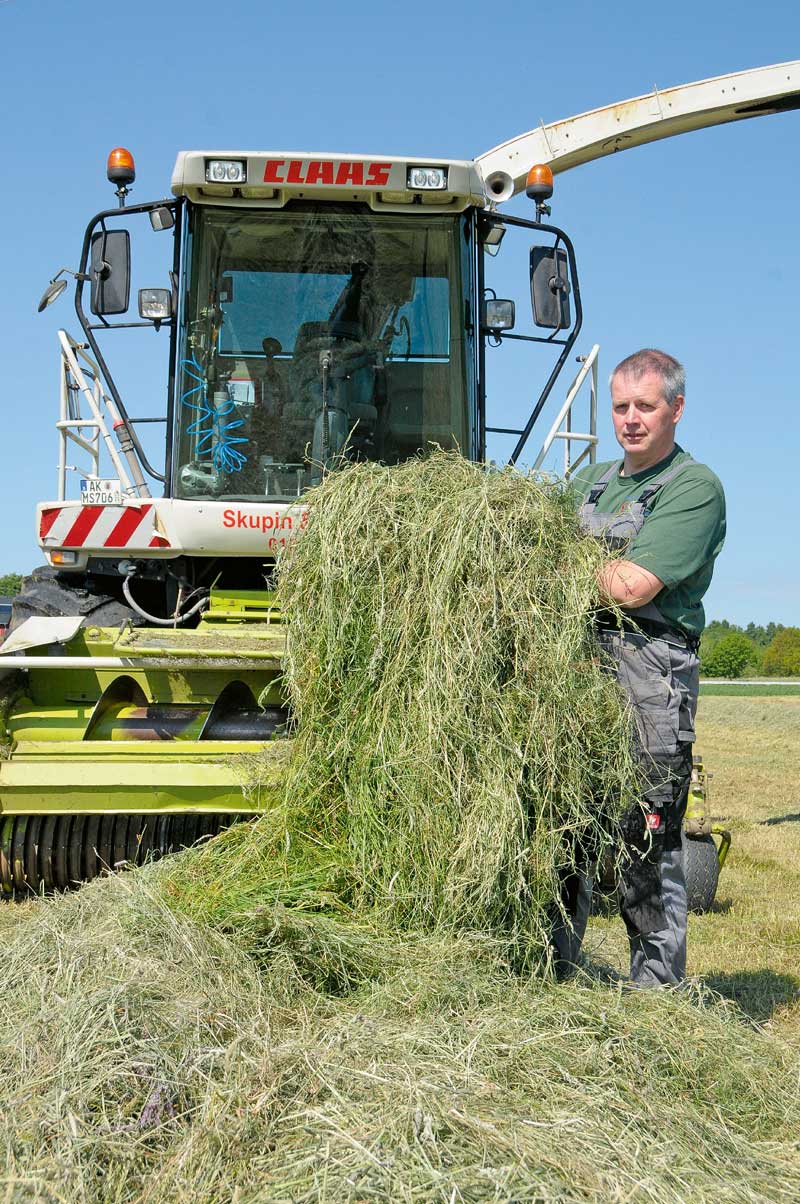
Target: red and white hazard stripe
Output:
[(99, 527)]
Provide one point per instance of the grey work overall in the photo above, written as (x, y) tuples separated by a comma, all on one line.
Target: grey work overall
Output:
[(658, 667)]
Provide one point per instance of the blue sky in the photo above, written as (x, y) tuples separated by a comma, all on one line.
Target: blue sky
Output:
[(690, 244)]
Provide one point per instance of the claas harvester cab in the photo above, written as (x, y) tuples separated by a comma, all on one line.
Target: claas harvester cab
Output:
[(319, 310)]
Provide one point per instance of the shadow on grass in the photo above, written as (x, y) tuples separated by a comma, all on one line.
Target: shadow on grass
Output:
[(605, 905), (793, 818), (758, 993), (595, 970)]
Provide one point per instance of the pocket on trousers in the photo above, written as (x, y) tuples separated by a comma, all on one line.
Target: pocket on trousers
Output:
[(686, 684), (640, 896), (645, 671)]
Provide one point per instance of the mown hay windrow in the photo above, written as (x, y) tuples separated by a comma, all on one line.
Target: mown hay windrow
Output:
[(143, 1058), (456, 737)]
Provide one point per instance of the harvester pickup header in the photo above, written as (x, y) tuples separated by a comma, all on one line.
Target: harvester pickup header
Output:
[(273, 178)]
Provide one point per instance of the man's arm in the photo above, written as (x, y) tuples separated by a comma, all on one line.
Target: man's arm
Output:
[(683, 533), (628, 584)]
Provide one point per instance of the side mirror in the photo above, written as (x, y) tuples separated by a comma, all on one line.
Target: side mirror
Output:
[(550, 288), (497, 314), (111, 272)]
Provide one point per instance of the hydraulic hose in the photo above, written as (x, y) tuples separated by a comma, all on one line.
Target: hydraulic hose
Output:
[(171, 622)]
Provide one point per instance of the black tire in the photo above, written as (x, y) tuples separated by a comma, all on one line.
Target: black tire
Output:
[(90, 840), (42, 854), (701, 870), (47, 593), (74, 836)]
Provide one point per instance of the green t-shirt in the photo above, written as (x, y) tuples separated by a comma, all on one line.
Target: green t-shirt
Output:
[(681, 537)]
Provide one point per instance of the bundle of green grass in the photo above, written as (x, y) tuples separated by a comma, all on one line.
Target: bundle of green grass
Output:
[(457, 747), (457, 741)]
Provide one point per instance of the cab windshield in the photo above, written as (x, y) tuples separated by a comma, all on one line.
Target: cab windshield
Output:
[(312, 335)]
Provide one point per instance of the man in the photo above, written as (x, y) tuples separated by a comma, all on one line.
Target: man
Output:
[(664, 514)]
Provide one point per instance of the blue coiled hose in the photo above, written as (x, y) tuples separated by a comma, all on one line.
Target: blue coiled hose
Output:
[(217, 437)]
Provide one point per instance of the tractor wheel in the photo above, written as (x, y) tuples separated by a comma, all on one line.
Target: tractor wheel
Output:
[(47, 593), (701, 871)]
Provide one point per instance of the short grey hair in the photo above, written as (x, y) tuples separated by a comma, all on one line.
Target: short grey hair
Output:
[(650, 359)]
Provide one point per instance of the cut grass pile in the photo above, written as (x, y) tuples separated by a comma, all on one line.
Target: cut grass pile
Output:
[(146, 1057), (456, 737), (294, 1014)]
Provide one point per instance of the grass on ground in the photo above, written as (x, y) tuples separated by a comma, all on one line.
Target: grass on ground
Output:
[(332, 1005), (760, 689), (147, 1057)]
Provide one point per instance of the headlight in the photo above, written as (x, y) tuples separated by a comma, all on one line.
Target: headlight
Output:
[(226, 171), (432, 178), (497, 314), (155, 304)]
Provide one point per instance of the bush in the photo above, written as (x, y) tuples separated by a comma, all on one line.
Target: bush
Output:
[(729, 656), (782, 658), (10, 584)]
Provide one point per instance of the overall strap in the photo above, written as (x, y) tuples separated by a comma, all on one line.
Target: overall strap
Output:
[(599, 487), (663, 479)]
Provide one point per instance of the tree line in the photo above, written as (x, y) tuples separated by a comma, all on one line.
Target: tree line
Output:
[(10, 584), (728, 650)]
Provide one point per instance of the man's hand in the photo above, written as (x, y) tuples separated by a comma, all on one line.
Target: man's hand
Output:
[(628, 584)]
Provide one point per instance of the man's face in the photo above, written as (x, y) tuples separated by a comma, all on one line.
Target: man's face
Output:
[(643, 422)]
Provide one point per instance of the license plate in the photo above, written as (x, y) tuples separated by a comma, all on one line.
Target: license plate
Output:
[(95, 492)]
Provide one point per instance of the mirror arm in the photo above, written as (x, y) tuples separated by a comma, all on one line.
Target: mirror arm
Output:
[(82, 277), (569, 344)]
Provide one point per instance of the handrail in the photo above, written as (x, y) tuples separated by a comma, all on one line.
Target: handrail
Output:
[(588, 369), (80, 378)]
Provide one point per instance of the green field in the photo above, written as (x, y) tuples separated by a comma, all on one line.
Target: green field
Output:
[(761, 689)]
